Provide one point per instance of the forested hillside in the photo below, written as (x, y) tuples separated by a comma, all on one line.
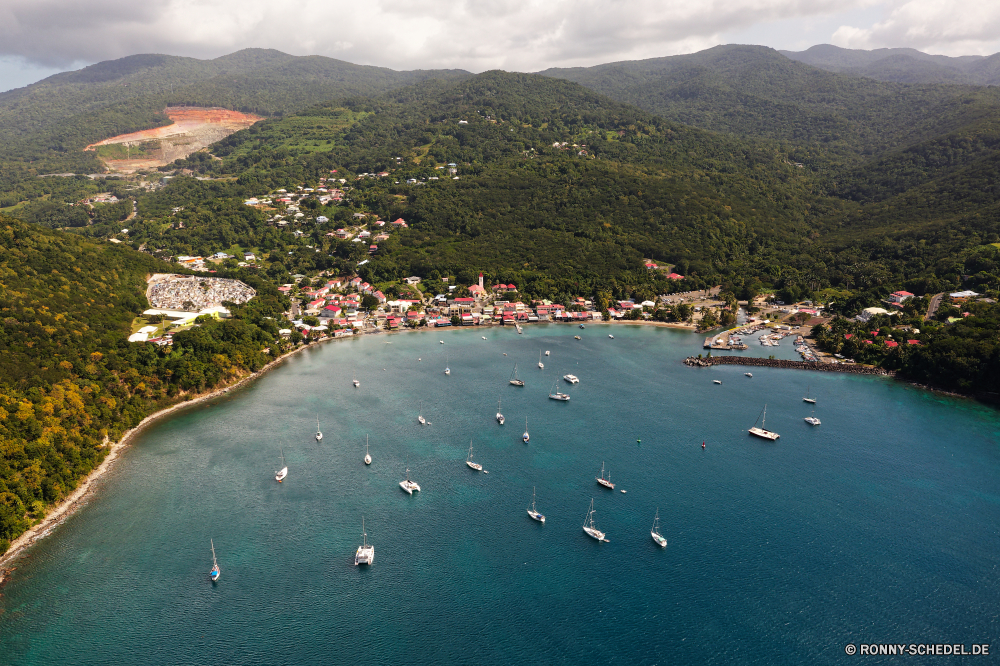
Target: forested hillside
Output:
[(902, 65), (70, 381)]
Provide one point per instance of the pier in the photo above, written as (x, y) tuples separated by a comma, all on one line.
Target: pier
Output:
[(790, 365)]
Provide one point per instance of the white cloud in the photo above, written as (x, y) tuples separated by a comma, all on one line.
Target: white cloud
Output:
[(521, 35), (946, 27)]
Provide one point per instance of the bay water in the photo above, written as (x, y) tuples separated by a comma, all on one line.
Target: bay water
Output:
[(879, 526)]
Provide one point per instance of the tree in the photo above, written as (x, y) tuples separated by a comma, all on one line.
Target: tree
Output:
[(369, 302)]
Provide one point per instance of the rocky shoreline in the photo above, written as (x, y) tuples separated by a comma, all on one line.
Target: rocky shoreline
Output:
[(850, 368)]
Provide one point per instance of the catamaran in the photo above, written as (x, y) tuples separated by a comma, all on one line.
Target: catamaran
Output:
[(407, 485), (513, 378), (216, 571), (605, 482), (366, 551), (280, 475), (540, 364), (319, 433), (808, 399), (525, 437), (811, 419), (762, 431), (531, 510), (655, 532), (556, 395), (572, 379), (588, 524), (468, 461), (368, 457)]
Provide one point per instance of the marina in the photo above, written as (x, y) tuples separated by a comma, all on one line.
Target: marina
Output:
[(204, 473)]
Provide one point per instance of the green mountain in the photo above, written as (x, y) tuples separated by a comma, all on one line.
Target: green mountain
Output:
[(902, 65)]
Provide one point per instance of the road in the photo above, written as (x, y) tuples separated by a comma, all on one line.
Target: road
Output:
[(933, 307)]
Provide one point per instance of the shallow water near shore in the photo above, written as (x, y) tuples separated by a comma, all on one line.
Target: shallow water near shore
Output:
[(878, 526)]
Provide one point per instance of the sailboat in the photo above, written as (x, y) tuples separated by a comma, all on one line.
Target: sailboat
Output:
[(216, 571), (368, 457), (588, 524), (500, 418), (547, 352), (279, 476), (532, 512), (556, 395), (811, 419), (604, 482), (468, 461), (447, 370), (366, 551), (808, 399), (525, 437), (540, 364), (355, 381), (513, 378), (319, 433), (407, 485), (420, 416), (655, 532), (762, 431)]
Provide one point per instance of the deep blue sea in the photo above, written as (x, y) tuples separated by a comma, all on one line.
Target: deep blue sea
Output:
[(879, 526)]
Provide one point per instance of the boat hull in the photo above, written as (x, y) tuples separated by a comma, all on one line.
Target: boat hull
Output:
[(536, 516), (605, 483), (764, 434), (368, 460), (595, 533), (516, 382), (409, 487), (475, 466), (559, 396), (660, 541), (364, 555)]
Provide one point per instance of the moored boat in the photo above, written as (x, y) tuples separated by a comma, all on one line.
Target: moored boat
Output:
[(216, 571), (655, 532), (590, 527), (280, 475), (366, 551), (763, 432), (606, 482), (531, 510), (468, 461), (407, 485), (572, 379)]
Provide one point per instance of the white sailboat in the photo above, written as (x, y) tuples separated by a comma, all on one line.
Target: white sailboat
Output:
[(763, 432), (540, 364), (811, 419), (280, 475), (606, 482), (366, 551), (588, 524), (319, 433), (447, 370), (368, 457), (468, 461), (407, 485), (547, 352), (500, 418), (531, 510), (556, 395), (513, 378), (811, 401), (216, 571), (525, 437), (355, 381), (655, 532), (420, 416)]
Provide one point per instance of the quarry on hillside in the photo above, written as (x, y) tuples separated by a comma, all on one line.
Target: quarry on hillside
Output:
[(193, 128)]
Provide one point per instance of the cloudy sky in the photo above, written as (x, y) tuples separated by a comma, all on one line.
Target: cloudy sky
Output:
[(41, 37)]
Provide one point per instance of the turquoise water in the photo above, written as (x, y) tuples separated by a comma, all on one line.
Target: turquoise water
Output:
[(878, 526)]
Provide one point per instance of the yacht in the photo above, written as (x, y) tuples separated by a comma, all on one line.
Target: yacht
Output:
[(355, 381), (468, 461), (280, 475), (556, 395), (407, 485), (576, 337), (447, 370), (518, 327), (500, 418), (547, 352), (655, 532), (572, 379), (716, 381), (525, 437), (811, 419), (605, 482), (811, 401), (611, 336), (368, 457), (420, 417), (748, 374), (540, 364), (319, 433), (531, 510), (216, 571), (762, 431), (513, 378), (588, 524), (366, 551)]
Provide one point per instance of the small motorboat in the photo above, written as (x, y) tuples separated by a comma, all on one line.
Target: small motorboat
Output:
[(611, 336), (576, 337), (716, 381), (748, 374)]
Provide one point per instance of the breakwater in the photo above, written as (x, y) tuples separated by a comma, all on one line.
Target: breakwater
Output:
[(709, 361)]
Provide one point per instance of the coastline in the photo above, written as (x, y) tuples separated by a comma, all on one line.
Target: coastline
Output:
[(77, 499)]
